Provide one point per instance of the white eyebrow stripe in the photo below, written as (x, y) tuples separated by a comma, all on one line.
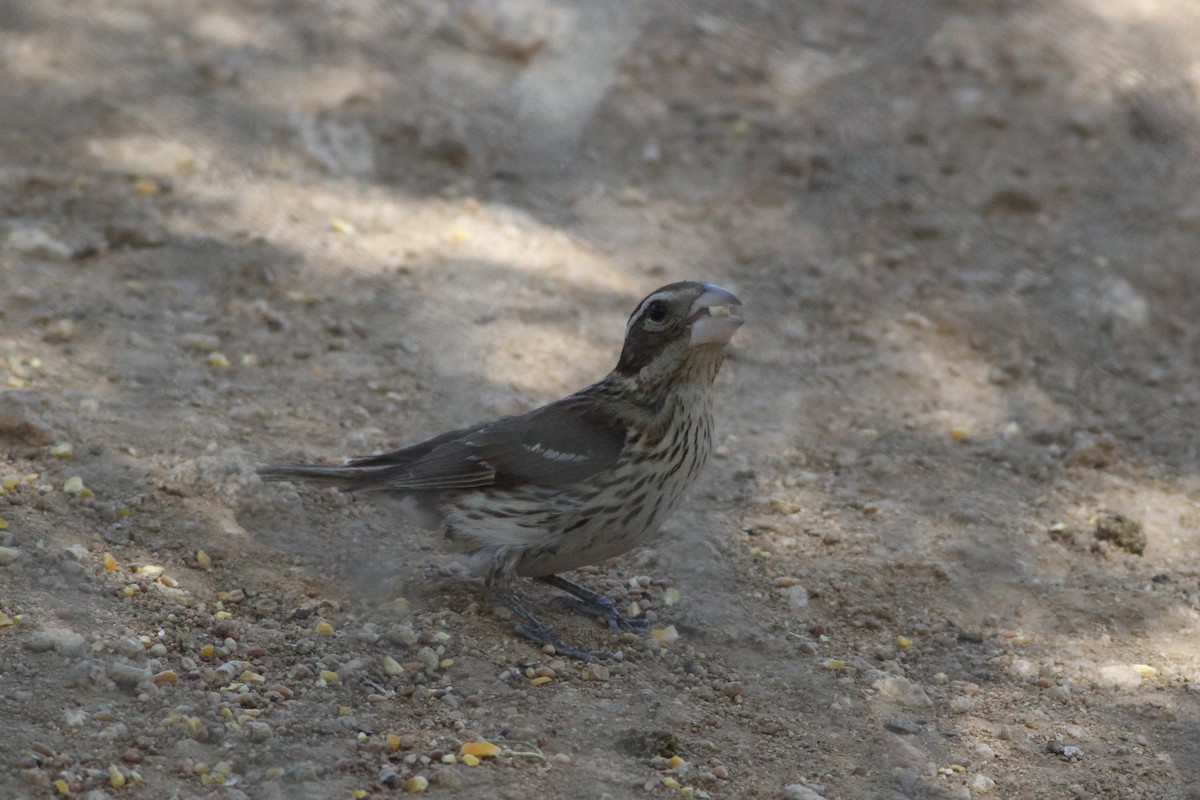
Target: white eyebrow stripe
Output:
[(640, 309), (554, 455)]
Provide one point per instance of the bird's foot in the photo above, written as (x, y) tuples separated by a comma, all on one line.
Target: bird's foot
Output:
[(545, 635), (585, 600), (535, 630), (607, 609)]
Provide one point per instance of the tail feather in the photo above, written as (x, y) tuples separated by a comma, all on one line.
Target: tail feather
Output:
[(343, 477)]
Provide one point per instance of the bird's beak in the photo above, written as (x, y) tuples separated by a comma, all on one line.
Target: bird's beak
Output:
[(714, 316)]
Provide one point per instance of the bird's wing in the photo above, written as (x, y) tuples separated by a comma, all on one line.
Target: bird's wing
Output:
[(564, 442)]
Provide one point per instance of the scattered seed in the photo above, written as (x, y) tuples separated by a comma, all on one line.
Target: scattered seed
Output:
[(674, 762), (834, 663), (481, 749), (110, 563), (218, 360), (417, 784), (391, 666), (323, 628), (116, 778), (542, 681), (903, 641), (470, 760), (62, 450), (1145, 670), (393, 741), (203, 559), (328, 676), (665, 635), (671, 597), (74, 485)]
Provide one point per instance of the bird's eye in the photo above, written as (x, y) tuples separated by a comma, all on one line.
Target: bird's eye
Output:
[(656, 311)]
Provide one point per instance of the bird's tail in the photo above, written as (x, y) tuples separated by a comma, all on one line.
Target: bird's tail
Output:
[(344, 477)]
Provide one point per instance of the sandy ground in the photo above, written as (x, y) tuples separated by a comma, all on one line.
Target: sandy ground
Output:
[(950, 547)]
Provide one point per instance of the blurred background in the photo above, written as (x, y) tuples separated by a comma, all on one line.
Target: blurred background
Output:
[(948, 547)]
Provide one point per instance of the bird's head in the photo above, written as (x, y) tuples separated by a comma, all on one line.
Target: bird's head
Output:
[(679, 326)]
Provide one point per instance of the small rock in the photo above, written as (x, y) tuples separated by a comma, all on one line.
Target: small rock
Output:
[(902, 724), (1121, 531), (61, 331), (9, 555), (21, 418), (63, 641), (903, 691), (113, 732), (75, 717), (201, 342), (76, 551), (1094, 450), (798, 791), (980, 784), (1118, 676), (258, 732), (127, 675), (797, 596), (32, 241), (135, 232), (402, 633)]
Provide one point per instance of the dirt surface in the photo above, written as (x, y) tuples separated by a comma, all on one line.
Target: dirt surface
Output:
[(950, 546)]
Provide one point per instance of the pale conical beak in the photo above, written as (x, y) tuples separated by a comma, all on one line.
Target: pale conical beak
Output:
[(714, 316)]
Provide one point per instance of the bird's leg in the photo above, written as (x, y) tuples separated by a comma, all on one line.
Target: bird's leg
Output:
[(533, 628), (589, 602)]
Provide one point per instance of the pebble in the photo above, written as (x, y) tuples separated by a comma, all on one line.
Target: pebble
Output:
[(63, 641), (903, 691), (1118, 676), (428, 659), (201, 342), (1095, 451), (797, 596), (127, 675), (981, 784), (75, 717), (258, 732), (126, 645), (798, 791), (21, 417), (61, 331), (114, 732), (402, 633), (1122, 532), (9, 555), (902, 724), (30, 240)]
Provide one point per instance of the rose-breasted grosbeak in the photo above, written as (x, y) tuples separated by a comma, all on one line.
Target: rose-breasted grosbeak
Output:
[(575, 482)]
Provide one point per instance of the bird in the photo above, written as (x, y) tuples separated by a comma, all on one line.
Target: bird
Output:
[(572, 483)]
